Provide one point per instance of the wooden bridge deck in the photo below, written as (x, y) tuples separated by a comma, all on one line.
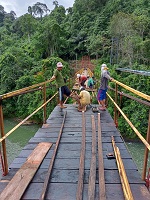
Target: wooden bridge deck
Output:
[(64, 179)]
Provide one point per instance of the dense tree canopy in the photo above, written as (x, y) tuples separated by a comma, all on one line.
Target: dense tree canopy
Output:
[(112, 31)]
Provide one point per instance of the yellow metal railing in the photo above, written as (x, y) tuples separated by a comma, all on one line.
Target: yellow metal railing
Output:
[(18, 125), (40, 86), (20, 91), (145, 96), (146, 141), (35, 87)]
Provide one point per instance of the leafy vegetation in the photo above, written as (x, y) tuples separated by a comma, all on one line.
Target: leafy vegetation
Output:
[(115, 32)]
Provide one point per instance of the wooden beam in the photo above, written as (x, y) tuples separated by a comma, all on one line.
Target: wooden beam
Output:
[(92, 177), (20, 181), (102, 189), (79, 193)]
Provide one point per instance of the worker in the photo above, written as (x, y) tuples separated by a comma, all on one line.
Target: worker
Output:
[(101, 96), (83, 99), (81, 79), (62, 88), (90, 83)]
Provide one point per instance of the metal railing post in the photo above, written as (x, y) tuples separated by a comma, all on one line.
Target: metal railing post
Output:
[(115, 109), (146, 150), (5, 170)]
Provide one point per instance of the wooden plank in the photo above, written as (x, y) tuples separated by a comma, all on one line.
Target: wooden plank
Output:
[(63, 176), (71, 176), (18, 184), (71, 139), (102, 190), (92, 177), (112, 177), (79, 192)]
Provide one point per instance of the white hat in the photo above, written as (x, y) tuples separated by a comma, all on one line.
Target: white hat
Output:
[(59, 64), (78, 75), (104, 67)]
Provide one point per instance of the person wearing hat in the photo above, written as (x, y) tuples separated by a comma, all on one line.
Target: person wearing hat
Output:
[(62, 88), (81, 79), (101, 96)]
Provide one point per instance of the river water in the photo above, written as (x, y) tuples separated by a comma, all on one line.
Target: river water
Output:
[(137, 151), (19, 138)]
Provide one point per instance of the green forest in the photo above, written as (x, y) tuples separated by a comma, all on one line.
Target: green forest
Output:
[(116, 32)]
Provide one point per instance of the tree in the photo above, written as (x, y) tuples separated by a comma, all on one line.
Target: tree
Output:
[(30, 11), (25, 25), (39, 9), (48, 38), (2, 15), (55, 3), (58, 14), (130, 31)]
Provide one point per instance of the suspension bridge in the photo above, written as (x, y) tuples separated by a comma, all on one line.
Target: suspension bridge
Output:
[(75, 155)]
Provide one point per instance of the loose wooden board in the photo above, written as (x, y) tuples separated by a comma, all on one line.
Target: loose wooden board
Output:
[(20, 181)]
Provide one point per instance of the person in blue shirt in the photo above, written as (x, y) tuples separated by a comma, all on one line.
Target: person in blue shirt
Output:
[(101, 96)]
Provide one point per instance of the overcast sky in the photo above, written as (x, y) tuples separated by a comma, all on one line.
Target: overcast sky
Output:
[(20, 7)]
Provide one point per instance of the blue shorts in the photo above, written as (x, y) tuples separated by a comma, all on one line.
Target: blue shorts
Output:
[(64, 90), (101, 94)]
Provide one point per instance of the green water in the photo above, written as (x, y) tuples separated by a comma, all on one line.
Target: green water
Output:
[(137, 151), (18, 139)]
